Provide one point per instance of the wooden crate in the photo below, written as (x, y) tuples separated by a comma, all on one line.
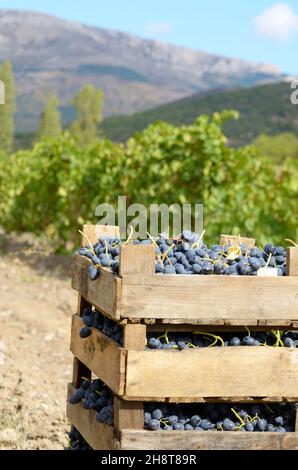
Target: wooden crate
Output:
[(128, 433), (138, 293), (193, 374)]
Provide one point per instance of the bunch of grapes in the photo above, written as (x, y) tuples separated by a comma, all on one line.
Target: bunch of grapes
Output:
[(187, 254), (95, 395), (76, 441), (203, 339), (196, 339), (220, 417), (95, 319)]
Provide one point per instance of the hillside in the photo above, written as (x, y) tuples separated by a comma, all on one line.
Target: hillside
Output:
[(263, 109), (53, 55)]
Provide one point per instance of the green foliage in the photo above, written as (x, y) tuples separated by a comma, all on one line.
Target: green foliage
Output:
[(50, 124), (88, 104), (8, 109), (277, 147), (56, 187), (263, 109)]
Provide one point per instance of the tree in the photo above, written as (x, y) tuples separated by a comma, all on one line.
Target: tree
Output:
[(8, 109), (88, 104), (50, 123)]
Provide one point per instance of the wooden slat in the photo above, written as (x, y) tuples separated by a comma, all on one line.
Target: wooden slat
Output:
[(93, 232), (292, 261), (233, 399), (98, 435), (103, 293), (137, 259), (100, 354), (193, 440), (296, 420), (128, 415), (246, 298), (134, 336), (79, 370), (227, 239), (213, 372)]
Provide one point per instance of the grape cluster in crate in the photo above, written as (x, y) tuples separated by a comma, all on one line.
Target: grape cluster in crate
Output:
[(187, 254), (158, 357)]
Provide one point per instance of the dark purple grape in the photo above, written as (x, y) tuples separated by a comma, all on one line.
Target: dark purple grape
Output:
[(85, 332)]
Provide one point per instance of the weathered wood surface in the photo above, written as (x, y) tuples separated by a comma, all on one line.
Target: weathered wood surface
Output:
[(246, 298), (128, 415), (100, 354), (134, 336), (292, 261), (93, 232), (98, 435), (193, 440), (213, 372), (137, 259), (103, 293)]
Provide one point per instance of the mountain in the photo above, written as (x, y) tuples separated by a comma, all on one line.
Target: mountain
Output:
[(54, 55), (263, 109)]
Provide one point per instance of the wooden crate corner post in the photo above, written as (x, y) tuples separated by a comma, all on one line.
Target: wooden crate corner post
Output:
[(292, 261), (128, 414), (93, 232), (137, 259)]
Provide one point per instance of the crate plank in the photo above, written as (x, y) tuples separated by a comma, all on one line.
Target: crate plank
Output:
[(100, 354), (98, 435), (292, 261), (103, 293), (213, 372), (193, 440), (227, 297)]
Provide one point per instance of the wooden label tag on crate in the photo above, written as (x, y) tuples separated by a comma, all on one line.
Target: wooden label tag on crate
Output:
[(236, 240)]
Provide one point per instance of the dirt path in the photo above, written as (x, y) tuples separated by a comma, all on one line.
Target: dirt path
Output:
[(36, 303)]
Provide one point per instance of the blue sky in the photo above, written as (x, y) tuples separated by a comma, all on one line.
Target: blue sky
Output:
[(259, 30)]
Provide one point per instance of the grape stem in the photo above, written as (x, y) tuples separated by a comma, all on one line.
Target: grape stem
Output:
[(106, 246), (247, 329), (239, 417), (268, 261), (130, 235), (164, 256), (291, 241), (165, 336), (196, 244), (218, 338), (91, 245)]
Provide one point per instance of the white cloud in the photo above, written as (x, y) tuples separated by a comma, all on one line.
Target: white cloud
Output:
[(162, 28), (278, 22)]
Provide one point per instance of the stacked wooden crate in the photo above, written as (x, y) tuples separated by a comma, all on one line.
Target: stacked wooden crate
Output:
[(142, 302)]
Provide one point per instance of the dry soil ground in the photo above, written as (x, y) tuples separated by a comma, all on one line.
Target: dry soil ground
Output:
[(36, 303)]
